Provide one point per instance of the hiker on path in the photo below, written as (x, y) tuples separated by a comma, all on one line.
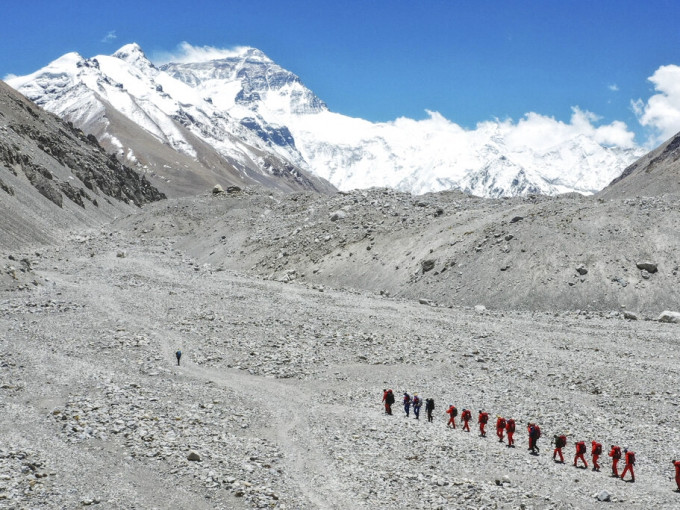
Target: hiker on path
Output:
[(560, 442), (482, 419), (676, 464), (629, 459), (452, 412), (466, 417), (596, 451), (500, 428), (615, 454), (510, 429), (407, 403), (388, 398), (417, 402), (429, 407), (178, 355), (534, 434), (580, 452)]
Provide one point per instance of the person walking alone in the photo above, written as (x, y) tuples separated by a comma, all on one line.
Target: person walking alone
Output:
[(178, 355)]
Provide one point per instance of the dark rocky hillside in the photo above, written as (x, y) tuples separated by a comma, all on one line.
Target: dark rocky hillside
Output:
[(54, 177)]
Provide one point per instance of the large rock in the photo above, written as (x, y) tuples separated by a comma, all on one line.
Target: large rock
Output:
[(193, 456), (650, 267), (338, 215), (668, 316)]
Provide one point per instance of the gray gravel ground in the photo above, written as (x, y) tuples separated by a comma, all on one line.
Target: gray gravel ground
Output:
[(280, 386)]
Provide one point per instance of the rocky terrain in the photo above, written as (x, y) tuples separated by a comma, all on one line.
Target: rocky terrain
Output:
[(291, 326), (53, 177)]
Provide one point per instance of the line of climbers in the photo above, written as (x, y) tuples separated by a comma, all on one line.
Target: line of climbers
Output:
[(508, 426)]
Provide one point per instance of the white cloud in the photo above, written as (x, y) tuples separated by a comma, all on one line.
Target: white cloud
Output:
[(613, 87), (661, 112), (541, 132), (186, 52), (9, 76), (111, 36)]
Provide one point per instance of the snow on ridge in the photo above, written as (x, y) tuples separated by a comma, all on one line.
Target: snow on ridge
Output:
[(221, 94)]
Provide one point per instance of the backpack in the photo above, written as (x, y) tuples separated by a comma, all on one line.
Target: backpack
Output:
[(178, 354), (416, 401), (510, 426), (467, 415), (580, 447), (630, 458), (561, 441), (484, 418), (454, 412), (390, 397), (616, 452), (537, 431), (407, 399), (597, 449), (502, 423)]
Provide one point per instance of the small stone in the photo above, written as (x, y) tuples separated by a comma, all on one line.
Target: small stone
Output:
[(581, 269), (194, 457)]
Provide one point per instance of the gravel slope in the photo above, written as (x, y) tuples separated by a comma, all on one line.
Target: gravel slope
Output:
[(280, 385)]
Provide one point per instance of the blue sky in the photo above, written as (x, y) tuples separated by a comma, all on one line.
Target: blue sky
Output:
[(379, 60)]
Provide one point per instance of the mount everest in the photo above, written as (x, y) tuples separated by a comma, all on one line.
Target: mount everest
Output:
[(243, 118)]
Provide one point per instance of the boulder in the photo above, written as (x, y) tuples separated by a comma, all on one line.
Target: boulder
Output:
[(668, 316), (581, 269), (603, 496), (338, 215), (630, 316), (427, 265), (480, 308), (650, 267), (217, 189), (193, 456), (516, 219), (233, 189)]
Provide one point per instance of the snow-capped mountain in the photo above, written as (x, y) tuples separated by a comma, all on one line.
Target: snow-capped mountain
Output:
[(141, 112), (261, 117)]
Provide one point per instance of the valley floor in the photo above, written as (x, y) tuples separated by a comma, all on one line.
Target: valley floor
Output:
[(279, 393)]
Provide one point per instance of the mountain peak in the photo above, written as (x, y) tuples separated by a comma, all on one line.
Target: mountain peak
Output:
[(131, 53)]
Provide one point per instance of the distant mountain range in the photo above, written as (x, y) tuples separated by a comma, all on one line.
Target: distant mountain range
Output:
[(244, 119)]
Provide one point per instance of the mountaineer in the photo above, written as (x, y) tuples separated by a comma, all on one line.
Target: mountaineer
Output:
[(466, 417), (580, 452), (452, 412), (596, 451), (510, 429), (482, 419), (178, 355), (629, 459), (407, 403), (500, 428), (560, 442), (429, 407), (615, 454)]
